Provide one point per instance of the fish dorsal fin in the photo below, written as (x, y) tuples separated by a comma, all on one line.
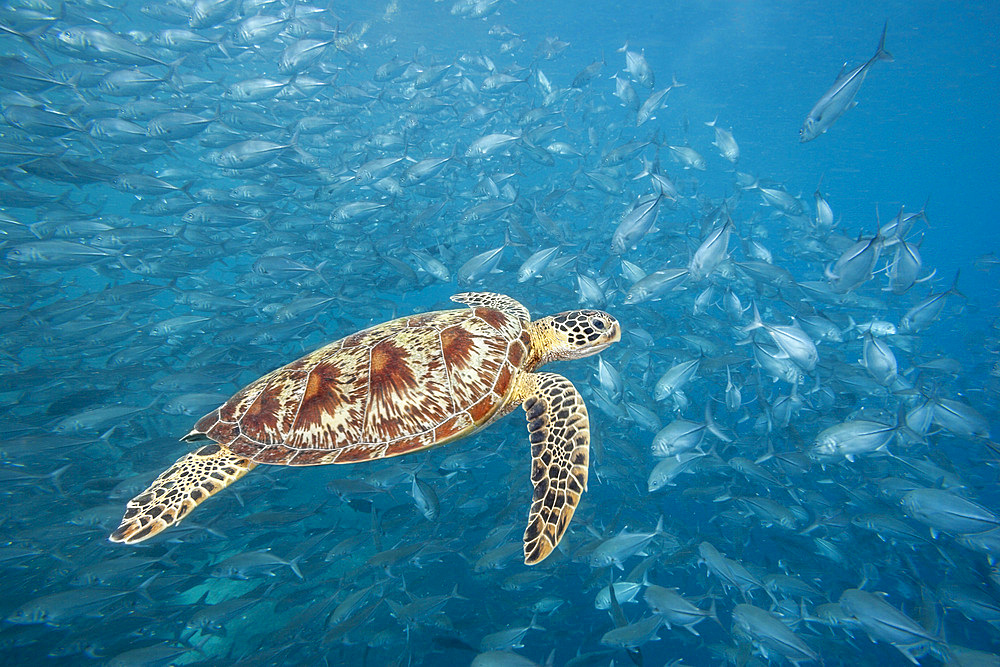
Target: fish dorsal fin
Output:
[(844, 73)]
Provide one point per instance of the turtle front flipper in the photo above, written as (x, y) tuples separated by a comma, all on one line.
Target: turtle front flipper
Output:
[(559, 430), (501, 302), (178, 490)]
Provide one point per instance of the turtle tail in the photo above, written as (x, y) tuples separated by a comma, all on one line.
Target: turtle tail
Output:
[(178, 490)]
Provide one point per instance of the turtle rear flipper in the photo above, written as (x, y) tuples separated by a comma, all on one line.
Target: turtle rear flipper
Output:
[(178, 490), (559, 431)]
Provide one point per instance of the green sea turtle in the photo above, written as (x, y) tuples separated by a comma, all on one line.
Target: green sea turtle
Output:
[(396, 388)]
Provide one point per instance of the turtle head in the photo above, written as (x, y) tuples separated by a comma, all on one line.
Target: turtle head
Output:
[(577, 333)]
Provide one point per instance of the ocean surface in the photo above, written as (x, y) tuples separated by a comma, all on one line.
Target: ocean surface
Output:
[(791, 456)]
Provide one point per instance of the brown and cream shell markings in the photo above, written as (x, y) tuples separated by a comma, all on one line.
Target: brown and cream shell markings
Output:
[(400, 387)]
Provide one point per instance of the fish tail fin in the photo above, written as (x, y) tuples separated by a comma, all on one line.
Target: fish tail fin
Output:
[(712, 613), (757, 323), (55, 479), (904, 433), (714, 427), (171, 79), (395, 608), (768, 455), (923, 211), (30, 36), (293, 565), (143, 589), (713, 452), (804, 614), (881, 53), (954, 285)]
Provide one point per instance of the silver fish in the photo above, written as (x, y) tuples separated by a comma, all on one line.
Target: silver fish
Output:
[(637, 66), (636, 224), (792, 340), (942, 510), (635, 634), (651, 105), (656, 285), (675, 378), (711, 252), (725, 142), (770, 634), (616, 550), (840, 97), (536, 264), (688, 157), (883, 622), (480, 266), (879, 360), (675, 609), (850, 438)]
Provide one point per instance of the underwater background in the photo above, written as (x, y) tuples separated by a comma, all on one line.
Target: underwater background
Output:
[(792, 454)]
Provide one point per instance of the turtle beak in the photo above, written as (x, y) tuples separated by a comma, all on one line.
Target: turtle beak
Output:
[(613, 335)]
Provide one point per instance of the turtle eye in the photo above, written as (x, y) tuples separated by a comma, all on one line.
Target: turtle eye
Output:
[(598, 323)]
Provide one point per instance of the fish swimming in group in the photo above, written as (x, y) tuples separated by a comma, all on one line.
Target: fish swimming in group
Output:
[(790, 445)]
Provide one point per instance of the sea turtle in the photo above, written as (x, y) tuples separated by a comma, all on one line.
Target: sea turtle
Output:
[(400, 387)]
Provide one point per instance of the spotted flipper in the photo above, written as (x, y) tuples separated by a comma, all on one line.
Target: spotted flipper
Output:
[(178, 490), (500, 302), (559, 430)]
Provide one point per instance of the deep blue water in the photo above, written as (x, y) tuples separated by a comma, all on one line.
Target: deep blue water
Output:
[(96, 395)]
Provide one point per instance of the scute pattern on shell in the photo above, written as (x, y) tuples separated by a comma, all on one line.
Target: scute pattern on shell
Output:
[(397, 387)]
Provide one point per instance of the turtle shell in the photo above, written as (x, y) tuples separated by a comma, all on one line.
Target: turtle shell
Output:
[(394, 388)]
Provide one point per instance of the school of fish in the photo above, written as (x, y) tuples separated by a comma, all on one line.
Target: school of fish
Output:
[(785, 468)]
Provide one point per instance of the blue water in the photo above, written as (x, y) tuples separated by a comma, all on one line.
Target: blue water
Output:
[(95, 396)]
